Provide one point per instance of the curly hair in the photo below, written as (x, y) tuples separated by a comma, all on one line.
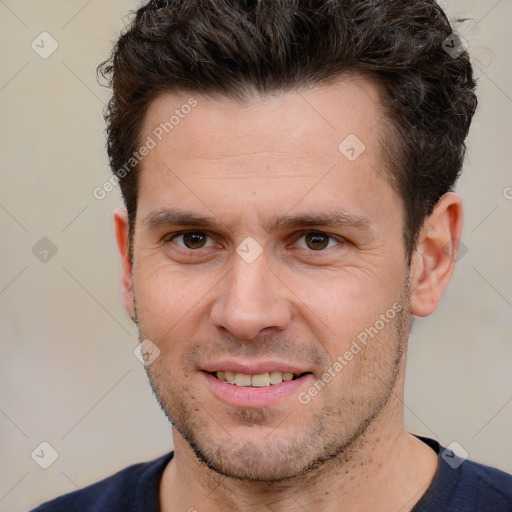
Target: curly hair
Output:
[(243, 48)]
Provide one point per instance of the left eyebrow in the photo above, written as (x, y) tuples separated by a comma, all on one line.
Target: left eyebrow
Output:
[(336, 219)]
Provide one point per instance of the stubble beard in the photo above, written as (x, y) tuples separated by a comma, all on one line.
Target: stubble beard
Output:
[(330, 438)]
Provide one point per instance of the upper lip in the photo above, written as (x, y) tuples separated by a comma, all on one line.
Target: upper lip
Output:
[(254, 368)]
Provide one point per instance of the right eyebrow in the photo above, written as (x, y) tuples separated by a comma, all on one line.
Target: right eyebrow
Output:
[(169, 217)]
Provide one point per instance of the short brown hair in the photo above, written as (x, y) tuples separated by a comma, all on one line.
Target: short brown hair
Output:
[(237, 48)]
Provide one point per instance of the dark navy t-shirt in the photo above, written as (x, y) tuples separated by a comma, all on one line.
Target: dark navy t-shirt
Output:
[(457, 487)]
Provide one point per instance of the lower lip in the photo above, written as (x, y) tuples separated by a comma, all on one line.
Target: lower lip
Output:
[(253, 397)]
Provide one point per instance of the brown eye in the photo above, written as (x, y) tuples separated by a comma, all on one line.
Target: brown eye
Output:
[(317, 241), (192, 240)]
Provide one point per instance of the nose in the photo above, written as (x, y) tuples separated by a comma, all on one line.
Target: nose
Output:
[(252, 301)]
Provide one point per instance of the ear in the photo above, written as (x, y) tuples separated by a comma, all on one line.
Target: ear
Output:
[(435, 256), (121, 228)]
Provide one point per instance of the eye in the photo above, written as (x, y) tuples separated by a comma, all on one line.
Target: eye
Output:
[(192, 240), (317, 241)]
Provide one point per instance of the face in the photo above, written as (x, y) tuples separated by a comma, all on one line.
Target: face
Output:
[(262, 249)]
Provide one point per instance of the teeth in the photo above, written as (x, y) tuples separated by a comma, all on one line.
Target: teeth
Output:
[(261, 380), (276, 377), (228, 377), (242, 380)]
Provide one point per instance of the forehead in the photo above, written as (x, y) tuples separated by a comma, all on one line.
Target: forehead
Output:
[(220, 126), (318, 143)]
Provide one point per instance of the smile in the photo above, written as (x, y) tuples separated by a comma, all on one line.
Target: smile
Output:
[(261, 380), (255, 390)]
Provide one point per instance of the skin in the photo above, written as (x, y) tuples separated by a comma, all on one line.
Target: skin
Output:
[(245, 165)]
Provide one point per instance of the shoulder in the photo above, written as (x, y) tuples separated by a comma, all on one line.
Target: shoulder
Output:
[(132, 487), (486, 485), (463, 485)]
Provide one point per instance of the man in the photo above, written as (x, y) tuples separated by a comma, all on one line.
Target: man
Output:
[(287, 170)]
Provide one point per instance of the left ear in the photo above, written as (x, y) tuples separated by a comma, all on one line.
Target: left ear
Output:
[(436, 253)]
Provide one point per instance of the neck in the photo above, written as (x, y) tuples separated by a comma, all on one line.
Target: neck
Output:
[(385, 469)]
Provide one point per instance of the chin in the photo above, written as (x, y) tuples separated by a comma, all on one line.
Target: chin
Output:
[(252, 463)]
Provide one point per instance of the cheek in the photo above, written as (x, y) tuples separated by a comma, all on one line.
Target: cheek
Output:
[(355, 291), (340, 311), (170, 303)]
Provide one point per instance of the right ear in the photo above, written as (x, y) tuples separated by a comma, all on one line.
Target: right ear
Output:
[(122, 230)]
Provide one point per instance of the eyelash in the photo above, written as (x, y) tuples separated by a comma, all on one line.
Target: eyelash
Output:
[(339, 240)]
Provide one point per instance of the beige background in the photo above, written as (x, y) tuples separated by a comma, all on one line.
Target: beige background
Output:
[(68, 375)]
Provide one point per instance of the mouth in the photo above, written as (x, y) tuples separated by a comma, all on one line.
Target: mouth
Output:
[(257, 388), (260, 380)]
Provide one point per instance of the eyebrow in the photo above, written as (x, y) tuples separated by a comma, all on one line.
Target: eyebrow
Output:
[(170, 217), (336, 219)]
